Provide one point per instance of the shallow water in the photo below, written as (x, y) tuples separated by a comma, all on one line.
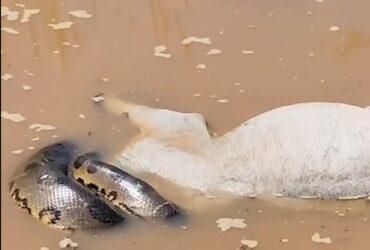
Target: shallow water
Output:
[(295, 58)]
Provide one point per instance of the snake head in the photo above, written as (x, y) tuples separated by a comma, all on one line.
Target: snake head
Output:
[(166, 210)]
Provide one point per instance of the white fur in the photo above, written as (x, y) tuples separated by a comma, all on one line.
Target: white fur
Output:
[(303, 150)]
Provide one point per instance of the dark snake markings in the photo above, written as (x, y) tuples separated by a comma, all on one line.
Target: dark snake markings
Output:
[(77, 164), (93, 187), (99, 215), (51, 213), (127, 209), (22, 202), (112, 196), (81, 181)]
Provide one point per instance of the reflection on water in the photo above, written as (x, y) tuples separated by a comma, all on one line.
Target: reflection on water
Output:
[(295, 58)]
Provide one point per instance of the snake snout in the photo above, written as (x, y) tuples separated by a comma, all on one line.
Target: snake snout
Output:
[(166, 210)]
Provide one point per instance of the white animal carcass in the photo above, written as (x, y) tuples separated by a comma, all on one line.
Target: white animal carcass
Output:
[(303, 150)]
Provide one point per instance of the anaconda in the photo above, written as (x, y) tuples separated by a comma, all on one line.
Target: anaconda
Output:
[(44, 187), (122, 189)]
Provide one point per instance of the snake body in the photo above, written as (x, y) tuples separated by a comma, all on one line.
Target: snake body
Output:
[(121, 189), (46, 190)]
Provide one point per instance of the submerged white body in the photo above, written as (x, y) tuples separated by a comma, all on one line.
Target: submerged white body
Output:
[(319, 150)]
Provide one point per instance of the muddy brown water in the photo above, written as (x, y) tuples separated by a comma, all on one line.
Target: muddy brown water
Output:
[(295, 58)]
